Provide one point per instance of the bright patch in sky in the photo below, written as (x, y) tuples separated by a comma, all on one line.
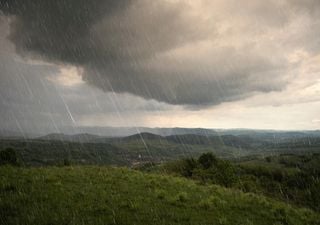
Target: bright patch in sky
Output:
[(69, 76)]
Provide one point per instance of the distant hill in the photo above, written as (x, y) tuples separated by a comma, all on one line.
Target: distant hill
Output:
[(53, 149), (145, 147), (144, 138), (270, 135), (82, 138), (224, 140), (262, 141)]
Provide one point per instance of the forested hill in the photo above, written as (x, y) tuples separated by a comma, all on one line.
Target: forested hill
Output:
[(142, 148)]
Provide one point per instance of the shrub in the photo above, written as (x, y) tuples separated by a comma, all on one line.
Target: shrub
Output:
[(207, 160), (66, 162), (268, 159), (8, 156), (188, 166)]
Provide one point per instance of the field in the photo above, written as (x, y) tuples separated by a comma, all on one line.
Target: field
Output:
[(106, 195)]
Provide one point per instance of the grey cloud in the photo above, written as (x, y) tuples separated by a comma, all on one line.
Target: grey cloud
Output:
[(58, 30), (30, 100), (125, 46)]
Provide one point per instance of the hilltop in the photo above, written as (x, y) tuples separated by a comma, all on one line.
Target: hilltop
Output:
[(128, 131), (81, 138)]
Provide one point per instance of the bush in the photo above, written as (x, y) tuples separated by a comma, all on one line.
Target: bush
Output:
[(188, 166), (207, 160), (8, 156), (227, 174), (268, 159), (66, 162)]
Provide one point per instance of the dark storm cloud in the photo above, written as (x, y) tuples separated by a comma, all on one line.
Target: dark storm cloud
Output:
[(132, 46), (58, 30), (95, 32), (33, 99)]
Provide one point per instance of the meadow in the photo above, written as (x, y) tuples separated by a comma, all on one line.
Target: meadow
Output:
[(108, 195)]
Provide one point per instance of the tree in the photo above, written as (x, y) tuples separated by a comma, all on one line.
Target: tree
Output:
[(188, 166), (207, 160)]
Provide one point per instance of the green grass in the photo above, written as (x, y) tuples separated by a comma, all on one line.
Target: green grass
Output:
[(106, 195)]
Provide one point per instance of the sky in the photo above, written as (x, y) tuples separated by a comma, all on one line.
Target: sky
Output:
[(162, 63)]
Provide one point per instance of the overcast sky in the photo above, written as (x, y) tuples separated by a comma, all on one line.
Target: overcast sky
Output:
[(160, 63)]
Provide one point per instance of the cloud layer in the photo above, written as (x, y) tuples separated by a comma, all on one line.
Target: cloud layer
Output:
[(194, 53)]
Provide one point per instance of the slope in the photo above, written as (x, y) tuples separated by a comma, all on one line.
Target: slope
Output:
[(102, 195)]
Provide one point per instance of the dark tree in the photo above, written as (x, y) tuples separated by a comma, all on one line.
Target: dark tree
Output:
[(188, 166), (207, 160)]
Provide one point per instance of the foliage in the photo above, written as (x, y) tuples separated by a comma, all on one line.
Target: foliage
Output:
[(131, 152), (287, 177), (207, 160), (9, 156)]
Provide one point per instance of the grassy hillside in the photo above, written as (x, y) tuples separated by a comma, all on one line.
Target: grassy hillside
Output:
[(291, 178), (103, 195)]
